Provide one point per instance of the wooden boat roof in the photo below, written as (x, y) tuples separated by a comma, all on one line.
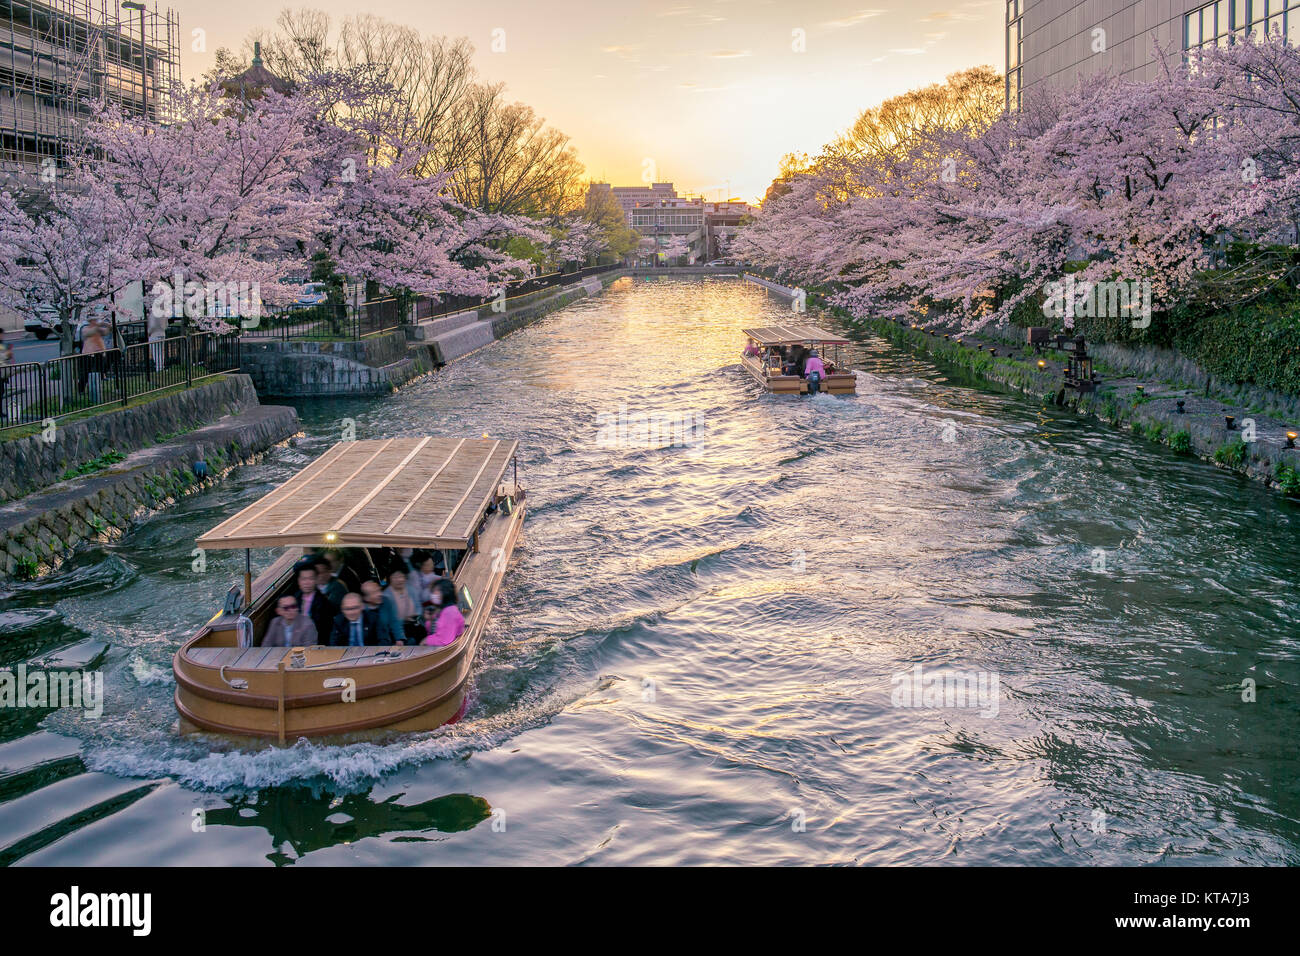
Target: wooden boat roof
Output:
[(397, 492), (793, 335)]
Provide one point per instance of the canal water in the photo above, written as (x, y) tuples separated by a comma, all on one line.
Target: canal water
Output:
[(708, 646)]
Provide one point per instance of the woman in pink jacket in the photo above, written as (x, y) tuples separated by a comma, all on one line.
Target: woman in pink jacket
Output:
[(449, 623)]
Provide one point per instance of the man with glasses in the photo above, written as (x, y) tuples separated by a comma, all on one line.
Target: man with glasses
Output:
[(357, 625), (289, 629)]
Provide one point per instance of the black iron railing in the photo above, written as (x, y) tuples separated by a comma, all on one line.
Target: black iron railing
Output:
[(34, 392)]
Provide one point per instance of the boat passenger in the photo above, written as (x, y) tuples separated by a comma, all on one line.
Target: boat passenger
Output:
[(388, 629), (814, 371), (450, 622), (422, 580), (798, 355), (327, 583), (287, 629), (356, 625), (752, 351), (406, 604), (346, 576), (312, 604), (429, 620)]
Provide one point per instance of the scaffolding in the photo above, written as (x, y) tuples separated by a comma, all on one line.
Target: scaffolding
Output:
[(58, 57)]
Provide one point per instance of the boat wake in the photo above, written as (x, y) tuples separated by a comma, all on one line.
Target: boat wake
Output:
[(354, 767)]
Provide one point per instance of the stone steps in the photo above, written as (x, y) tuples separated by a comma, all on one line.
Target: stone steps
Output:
[(459, 342)]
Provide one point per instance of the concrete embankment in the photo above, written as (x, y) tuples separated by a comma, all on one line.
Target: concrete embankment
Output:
[(83, 499), (1141, 390), (452, 337), (382, 363)]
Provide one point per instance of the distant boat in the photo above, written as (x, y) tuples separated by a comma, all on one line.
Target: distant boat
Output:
[(436, 494), (771, 342)]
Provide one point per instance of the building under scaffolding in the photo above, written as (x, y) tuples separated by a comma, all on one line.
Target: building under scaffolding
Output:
[(60, 56)]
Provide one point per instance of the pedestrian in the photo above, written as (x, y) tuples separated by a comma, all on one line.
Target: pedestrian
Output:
[(92, 350), (6, 373)]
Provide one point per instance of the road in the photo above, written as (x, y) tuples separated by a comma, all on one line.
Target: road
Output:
[(28, 349)]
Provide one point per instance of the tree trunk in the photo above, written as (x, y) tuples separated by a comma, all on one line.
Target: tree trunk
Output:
[(67, 321)]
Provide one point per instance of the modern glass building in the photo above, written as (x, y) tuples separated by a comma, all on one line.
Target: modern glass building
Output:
[(1056, 41)]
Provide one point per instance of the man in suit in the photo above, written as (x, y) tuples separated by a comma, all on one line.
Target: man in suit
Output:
[(356, 625), (312, 604), (344, 574), (287, 628), (327, 583), (384, 608)]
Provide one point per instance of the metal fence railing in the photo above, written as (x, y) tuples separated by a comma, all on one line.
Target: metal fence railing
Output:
[(32, 392), (332, 321)]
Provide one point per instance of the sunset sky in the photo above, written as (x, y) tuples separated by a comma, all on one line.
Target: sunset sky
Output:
[(711, 92)]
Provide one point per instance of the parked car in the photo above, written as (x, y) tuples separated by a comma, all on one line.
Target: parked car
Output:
[(313, 293), (50, 324)]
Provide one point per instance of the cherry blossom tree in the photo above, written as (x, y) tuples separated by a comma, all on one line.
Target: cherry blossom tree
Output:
[(213, 193), (578, 240), (1111, 180), (63, 253)]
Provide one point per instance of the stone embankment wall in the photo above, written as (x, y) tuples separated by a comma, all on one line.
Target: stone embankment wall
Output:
[(375, 365), (381, 363), (30, 463), (40, 531)]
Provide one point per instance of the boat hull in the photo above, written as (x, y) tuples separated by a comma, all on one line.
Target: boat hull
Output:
[(837, 384)]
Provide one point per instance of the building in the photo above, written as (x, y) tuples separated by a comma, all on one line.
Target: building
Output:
[(1056, 41), (629, 196), (659, 215), (255, 81), (722, 221), (58, 56)]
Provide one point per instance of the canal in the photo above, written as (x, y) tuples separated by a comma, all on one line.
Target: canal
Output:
[(699, 654)]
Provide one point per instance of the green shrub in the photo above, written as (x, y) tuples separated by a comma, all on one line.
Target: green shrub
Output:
[(1181, 442), (1254, 343), (26, 568), (1288, 479), (1233, 454), (94, 465)]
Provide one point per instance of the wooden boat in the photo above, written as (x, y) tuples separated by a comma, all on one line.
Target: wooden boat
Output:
[(770, 340), (427, 493)]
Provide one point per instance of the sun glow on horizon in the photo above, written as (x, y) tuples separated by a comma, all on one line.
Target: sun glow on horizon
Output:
[(711, 93)]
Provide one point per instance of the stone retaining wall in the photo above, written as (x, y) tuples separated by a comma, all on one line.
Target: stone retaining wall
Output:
[(525, 315), (375, 365), (38, 533), (31, 463)]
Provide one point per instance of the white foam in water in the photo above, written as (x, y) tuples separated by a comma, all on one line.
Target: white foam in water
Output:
[(349, 767), (149, 674)]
